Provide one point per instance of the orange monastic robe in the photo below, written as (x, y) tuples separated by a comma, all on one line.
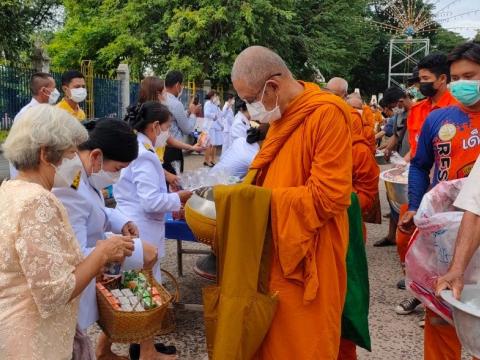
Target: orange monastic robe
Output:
[(306, 161), (365, 174), (368, 120)]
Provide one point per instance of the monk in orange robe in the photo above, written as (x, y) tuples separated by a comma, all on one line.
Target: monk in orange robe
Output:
[(306, 160), (365, 174), (355, 101)]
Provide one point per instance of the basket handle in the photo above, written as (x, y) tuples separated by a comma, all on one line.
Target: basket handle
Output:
[(176, 296)]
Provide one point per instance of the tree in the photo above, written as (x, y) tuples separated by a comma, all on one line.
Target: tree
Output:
[(444, 40), (20, 20), (203, 39)]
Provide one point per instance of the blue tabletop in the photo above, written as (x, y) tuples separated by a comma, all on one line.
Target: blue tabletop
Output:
[(177, 229)]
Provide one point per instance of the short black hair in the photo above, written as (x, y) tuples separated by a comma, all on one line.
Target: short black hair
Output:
[(173, 77), (39, 80), (230, 96), (436, 63), (69, 75), (115, 138), (467, 51), (392, 95), (240, 105), (413, 79)]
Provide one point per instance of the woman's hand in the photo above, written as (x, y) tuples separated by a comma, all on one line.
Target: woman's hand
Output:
[(150, 255), (184, 195), (116, 248), (172, 179), (130, 229), (198, 148)]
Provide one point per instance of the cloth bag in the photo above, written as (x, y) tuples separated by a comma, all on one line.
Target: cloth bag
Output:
[(238, 311), (357, 302)]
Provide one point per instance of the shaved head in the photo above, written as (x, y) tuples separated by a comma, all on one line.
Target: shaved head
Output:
[(338, 86), (256, 64), (355, 101)]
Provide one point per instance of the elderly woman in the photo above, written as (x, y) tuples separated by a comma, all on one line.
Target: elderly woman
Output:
[(42, 270)]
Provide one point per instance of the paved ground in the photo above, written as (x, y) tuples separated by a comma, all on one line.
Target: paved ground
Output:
[(394, 337)]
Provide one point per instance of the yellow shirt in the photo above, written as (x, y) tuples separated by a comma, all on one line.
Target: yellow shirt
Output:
[(79, 113)]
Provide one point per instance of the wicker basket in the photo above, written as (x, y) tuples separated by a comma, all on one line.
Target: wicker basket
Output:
[(133, 327)]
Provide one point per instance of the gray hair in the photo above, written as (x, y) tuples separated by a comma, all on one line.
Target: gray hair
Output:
[(256, 64), (42, 126)]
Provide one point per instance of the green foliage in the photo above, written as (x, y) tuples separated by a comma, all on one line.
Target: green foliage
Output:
[(202, 38), (20, 20), (445, 40)]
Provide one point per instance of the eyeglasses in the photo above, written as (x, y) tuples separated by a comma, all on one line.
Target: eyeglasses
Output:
[(249, 101)]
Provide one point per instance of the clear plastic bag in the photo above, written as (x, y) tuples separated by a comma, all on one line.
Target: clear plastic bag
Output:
[(432, 246)]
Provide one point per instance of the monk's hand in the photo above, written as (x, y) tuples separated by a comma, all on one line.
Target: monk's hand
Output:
[(452, 280), (130, 229), (406, 224)]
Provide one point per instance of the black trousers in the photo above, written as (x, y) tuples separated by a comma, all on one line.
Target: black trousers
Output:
[(172, 154)]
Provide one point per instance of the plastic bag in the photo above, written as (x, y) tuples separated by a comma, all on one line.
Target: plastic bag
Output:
[(432, 246)]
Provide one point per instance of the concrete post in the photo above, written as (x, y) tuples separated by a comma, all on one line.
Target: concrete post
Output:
[(207, 86), (123, 75), (40, 59)]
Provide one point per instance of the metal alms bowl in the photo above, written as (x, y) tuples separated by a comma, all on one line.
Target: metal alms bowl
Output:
[(200, 215), (397, 191), (466, 316)]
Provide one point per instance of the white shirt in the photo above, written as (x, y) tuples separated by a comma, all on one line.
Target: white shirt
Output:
[(142, 196), (238, 158), (469, 197), (90, 219), (228, 117), (239, 127), (32, 103)]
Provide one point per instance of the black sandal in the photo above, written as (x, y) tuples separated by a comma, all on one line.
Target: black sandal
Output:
[(134, 350)]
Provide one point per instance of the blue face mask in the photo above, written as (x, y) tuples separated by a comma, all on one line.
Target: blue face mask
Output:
[(466, 91)]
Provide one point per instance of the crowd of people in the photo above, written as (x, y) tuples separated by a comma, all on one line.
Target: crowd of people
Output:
[(307, 151)]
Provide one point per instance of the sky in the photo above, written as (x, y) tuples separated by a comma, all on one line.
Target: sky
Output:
[(471, 21)]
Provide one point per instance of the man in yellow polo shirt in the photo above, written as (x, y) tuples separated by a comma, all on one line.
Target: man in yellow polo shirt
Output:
[(73, 85)]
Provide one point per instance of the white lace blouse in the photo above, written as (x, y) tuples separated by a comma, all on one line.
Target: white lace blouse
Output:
[(38, 254)]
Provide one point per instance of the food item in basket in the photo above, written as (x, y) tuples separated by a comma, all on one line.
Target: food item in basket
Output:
[(127, 307), (116, 292), (123, 300), (127, 292), (139, 307)]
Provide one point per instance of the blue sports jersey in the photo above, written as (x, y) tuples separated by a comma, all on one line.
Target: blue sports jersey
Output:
[(449, 141)]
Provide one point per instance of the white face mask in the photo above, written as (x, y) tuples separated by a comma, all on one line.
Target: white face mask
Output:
[(67, 171), (78, 95), (162, 138), (103, 179), (53, 97), (258, 112), (216, 101), (180, 93)]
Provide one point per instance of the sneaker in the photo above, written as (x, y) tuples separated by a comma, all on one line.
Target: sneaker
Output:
[(401, 284), (407, 306)]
